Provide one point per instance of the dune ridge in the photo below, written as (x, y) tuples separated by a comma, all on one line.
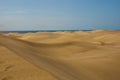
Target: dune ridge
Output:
[(76, 55)]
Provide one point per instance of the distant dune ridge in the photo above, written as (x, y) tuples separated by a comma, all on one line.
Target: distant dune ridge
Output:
[(92, 55)]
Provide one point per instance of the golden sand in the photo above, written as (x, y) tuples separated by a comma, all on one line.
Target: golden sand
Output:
[(93, 55)]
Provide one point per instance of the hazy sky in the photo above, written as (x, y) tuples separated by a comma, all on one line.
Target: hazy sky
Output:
[(59, 14)]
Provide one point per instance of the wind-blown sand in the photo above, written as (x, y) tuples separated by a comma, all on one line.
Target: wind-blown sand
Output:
[(79, 55)]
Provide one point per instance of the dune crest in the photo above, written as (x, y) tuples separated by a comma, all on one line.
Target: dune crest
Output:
[(66, 55)]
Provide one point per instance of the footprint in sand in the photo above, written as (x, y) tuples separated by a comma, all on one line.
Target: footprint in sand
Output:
[(7, 78), (7, 68)]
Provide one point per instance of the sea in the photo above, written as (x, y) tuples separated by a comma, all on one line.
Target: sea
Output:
[(34, 31)]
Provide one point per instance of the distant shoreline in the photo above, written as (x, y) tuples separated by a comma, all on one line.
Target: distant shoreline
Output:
[(34, 31)]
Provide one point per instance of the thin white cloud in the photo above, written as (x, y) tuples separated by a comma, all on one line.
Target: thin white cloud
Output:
[(7, 12), (20, 22)]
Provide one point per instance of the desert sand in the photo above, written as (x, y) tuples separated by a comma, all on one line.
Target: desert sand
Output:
[(79, 55)]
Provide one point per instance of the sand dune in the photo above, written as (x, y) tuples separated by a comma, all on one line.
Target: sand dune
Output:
[(76, 55)]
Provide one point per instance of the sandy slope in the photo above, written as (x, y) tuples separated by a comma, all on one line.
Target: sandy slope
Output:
[(77, 55)]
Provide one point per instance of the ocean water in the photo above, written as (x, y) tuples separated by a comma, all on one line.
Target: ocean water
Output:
[(43, 31)]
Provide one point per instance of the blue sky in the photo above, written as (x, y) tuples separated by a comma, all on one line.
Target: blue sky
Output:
[(59, 14)]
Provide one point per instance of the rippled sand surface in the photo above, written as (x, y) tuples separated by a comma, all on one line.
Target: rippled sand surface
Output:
[(79, 55)]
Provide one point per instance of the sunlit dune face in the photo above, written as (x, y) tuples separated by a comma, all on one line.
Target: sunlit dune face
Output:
[(60, 55)]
